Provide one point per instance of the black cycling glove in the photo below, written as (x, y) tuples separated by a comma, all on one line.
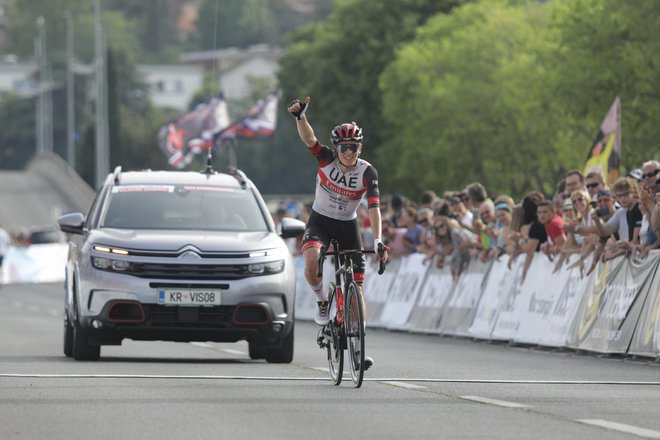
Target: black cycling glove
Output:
[(303, 108)]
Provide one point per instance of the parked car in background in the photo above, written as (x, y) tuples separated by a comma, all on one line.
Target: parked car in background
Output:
[(179, 256)]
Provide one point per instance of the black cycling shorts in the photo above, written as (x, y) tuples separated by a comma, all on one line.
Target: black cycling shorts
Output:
[(321, 229)]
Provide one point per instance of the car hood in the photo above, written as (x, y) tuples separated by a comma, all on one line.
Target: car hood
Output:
[(205, 241)]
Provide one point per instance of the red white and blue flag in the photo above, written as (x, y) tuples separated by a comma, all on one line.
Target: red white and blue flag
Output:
[(209, 124), (259, 123), (194, 133)]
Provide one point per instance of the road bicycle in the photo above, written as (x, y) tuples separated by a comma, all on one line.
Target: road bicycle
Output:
[(345, 331)]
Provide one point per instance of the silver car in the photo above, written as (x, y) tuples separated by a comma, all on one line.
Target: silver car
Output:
[(179, 256)]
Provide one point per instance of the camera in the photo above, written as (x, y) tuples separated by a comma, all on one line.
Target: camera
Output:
[(602, 212)]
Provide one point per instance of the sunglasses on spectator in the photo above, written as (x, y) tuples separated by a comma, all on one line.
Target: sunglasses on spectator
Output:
[(578, 199), (343, 147), (422, 220), (651, 174), (592, 185), (622, 195)]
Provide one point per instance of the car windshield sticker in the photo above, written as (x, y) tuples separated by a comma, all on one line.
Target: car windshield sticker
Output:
[(208, 188), (143, 188)]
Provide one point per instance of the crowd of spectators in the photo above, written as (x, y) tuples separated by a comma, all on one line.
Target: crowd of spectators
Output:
[(584, 216)]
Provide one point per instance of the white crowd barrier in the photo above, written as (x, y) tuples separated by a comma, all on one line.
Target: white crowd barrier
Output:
[(615, 309), (37, 263)]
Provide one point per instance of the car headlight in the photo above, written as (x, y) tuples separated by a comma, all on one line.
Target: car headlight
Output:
[(109, 264), (266, 268)]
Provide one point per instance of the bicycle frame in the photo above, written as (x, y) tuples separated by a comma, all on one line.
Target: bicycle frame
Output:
[(346, 328)]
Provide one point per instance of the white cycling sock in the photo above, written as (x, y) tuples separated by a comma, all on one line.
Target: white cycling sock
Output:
[(320, 294)]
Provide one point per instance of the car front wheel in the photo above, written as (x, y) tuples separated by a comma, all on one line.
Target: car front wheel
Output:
[(282, 355)]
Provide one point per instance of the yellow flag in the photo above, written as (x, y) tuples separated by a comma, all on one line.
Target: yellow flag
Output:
[(605, 152)]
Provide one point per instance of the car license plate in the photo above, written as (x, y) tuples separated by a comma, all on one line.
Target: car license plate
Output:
[(190, 297)]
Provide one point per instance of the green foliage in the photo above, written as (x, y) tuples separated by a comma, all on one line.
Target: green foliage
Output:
[(337, 62)]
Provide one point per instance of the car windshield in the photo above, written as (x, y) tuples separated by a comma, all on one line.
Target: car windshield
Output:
[(182, 207)]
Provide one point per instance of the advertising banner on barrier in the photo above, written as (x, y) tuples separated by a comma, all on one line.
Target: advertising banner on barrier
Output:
[(540, 291), (404, 291), (436, 289), (497, 284), (646, 338), (568, 285), (508, 319), (377, 288), (462, 304), (614, 308)]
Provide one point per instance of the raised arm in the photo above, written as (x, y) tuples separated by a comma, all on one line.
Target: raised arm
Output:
[(298, 109)]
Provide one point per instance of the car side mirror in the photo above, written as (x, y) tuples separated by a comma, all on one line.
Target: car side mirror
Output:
[(72, 223), (291, 227)]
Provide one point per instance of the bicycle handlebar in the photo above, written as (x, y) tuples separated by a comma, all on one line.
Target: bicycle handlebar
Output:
[(381, 251)]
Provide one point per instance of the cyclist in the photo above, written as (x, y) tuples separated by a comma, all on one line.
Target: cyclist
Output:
[(342, 180)]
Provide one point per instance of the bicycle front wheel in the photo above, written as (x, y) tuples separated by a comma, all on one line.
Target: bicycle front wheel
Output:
[(333, 335), (354, 325)]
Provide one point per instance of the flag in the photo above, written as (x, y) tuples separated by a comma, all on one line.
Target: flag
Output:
[(259, 123), (605, 152), (194, 133)]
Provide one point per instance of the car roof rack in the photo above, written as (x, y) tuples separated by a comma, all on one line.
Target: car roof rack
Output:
[(115, 174), (239, 175)]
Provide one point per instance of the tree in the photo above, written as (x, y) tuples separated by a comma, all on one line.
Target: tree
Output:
[(339, 60)]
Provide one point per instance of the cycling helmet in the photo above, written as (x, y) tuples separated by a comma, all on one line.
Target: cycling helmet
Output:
[(346, 132)]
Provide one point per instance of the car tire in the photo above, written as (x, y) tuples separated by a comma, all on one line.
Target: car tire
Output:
[(82, 349), (284, 354), (68, 336), (256, 352)]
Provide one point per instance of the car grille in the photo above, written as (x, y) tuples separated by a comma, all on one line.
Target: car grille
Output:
[(166, 316), (189, 271)]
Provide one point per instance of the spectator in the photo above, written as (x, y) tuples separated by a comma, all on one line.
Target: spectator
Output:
[(476, 196), (365, 226), (559, 197), (397, 205), (553, 227), (594, 182), (574, 181), (414, 231), (393, 238), (503, 209), (627, 220), (647, 238), (427, 199), (448, 240), (533, 233), (650, 176), (462, 215)]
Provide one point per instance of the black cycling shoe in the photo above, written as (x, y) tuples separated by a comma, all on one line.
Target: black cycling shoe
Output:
[(368, 362)]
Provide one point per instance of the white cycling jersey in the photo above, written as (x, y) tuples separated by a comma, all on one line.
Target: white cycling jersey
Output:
[(339, 194)]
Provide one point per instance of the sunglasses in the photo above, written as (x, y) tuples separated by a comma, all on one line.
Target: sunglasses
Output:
[(578, 199), (621, 195), (422, 220), (593, 185), (343, 147), (651, 174)]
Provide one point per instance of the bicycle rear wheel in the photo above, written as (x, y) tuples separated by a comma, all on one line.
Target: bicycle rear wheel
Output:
[(354, 325), (333, 334)]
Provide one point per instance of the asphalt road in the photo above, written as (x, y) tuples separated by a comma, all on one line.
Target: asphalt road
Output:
[(421, 386)]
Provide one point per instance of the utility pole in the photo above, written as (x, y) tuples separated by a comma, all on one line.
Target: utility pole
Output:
[(40, 49), (70, 96), (102, 156)]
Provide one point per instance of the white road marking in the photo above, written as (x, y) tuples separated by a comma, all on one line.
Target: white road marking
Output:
[(488, 401), (234, 352), (409, 386), (54, 312), (202, 344), (324, 369), (621, 427)]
